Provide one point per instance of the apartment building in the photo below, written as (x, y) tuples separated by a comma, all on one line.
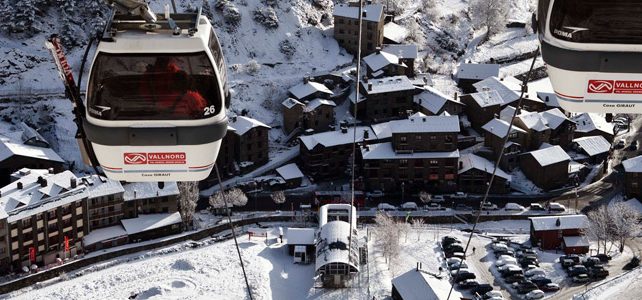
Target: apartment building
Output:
[(346, 27), (384, 99)]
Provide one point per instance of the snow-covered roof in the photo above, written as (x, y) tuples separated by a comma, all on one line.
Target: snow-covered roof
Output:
[(477, 71), (422, 79), (388, 85), (633, 165), (487, 98), (575, 167), (505, 88), (290, 102), (395, 32), (243, 124), (316, 103), (419, 285), (99, 186), (588, 122), (289, 171), (31, 137), (353, 95), (426, 124), (499, 128), (335, 138), (432, 99), (304, 89), (566, 222), (372, 12), (382, 130), (329, 212), (554, 118), (333, 245), (300, 236), (550, 99), (472, 161), (104, 234), (9, 148), (550, 155), (402, 51), (508, 112), (377, 61), (146, 190), (385, 151), (593, 145), (149, 222), (533, 121), (33, 198), (576, 241)]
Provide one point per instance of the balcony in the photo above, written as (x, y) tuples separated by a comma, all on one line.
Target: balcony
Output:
[(96, 216), (105, 203)]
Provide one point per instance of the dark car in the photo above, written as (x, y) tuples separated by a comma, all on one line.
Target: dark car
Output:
[(515, 278), (526, 262), (598, 272), (592, 261), (455, 254), (449, 243), (454, 248), (449, 238), (526, 286), (541, 281), (482, 289), (463, 276), (634, 145), (577, 270), (551, 287), (604, 258), (467, 284), (635, 261)]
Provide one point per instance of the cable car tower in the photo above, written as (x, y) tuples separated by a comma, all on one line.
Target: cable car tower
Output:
[(156, 95)]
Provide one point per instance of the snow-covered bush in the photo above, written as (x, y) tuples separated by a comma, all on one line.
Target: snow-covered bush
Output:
[(236, 196), (267, 17), (415, 34), (252, 67), (321, 3), (220, 4), (278, 197), (287, 48), (231, 14)]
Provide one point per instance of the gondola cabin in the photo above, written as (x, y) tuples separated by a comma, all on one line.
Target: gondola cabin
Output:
[(593, 53), (156, 99)]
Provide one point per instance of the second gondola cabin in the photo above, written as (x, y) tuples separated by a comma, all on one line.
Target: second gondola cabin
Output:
[(156, 99), (593, 53)]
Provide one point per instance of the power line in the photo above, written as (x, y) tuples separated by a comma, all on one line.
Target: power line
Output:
[(499, 159)]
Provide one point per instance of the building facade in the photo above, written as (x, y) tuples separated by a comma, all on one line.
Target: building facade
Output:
[(385, 98), (547, 168), (250, 138), (346, 27)]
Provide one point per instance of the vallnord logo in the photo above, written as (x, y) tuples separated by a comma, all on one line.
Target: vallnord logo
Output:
[(162, 158), (600, 86)]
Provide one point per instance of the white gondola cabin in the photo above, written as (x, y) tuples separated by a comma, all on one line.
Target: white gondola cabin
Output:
[(593, 52), (156, 99)]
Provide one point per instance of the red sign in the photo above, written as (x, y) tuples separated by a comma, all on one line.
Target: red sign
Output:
[(600, 86), (160, 158), (32, 254), (66, 244), (614, 87)]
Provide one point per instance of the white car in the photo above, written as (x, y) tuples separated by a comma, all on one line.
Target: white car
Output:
[(437, 198), (386, 207), (514, 206), (409, 206), (534, 272), (375, 194), (509, 267), (489, 206), (459, 195), (453, 260), (433, 206), (554, 206), (499, 246), (458, 265), (506, 261), (535, 294), (493, 294)]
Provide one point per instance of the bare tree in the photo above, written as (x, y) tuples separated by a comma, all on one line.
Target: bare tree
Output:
[(187, 199), (491, 14), (404, 229), (388, 236), (418, 224), (415, 34), (625, 223), (424, 197), (599, 227), (236, 197), (278, 197)]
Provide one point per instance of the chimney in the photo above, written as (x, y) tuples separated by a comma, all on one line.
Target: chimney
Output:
[(425, 78), (558, 223), (72, 182), (134, 194), (161, 185), (51, 170), (43, 182), (366, 134), (366, 147), (344, 129), (19, 185), (234, 119), (39, 181), (401, 62), (424, 119), (370, 86), (461, 164), (456, 96), (306, 80), (546, 99), (364, 14), (378, 50), (419, 101)]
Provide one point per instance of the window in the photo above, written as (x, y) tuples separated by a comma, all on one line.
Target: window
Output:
[(341, 31), (51, 214), (434, 162), (449, 139), (26, 223), (403, 139)]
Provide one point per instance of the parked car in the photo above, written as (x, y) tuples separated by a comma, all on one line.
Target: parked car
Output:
[(581, 278), (409, 206), (550, 287), (386, 207), (464, 276), (591, 261), (525, 252), (513, 207), (514, 278), (537, 206), (437, 198), (533, 272), (493, 295), (509, 252), (540, 281), (603, 257), (598, 272), (467, 284), (535, 294), (525, 287), (508, 267), (506, 261), (633, 263), (499, 246), (434, 206), (569, 260), (454, 248), (460, 271), (489, 206), (633, 146), (577, 270), (455, 254), (461, 206), (460, 265), (482, 289), (450, 238), (459, 195), (375, 194), (554, 206)]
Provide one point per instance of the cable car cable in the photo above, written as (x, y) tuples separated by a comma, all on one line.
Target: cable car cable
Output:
[(499, 159), (229, 220)]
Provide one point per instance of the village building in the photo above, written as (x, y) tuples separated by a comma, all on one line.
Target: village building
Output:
[(325, 155), (309, 90), (591, 149), (150, 198), (590, 124), (250, 139), (495, 132), (560, 232), (482, 107), (432, 102), (384, 98), (383, 64), (346, 27), (633, 177), (292, 111), (422, 154), (417, 284), (291, 174), (301, 243), (469, 74), (547, 168), (407, 54), (105, 205), (474, 175), (394, 33), (28, 151), (337, 258)]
